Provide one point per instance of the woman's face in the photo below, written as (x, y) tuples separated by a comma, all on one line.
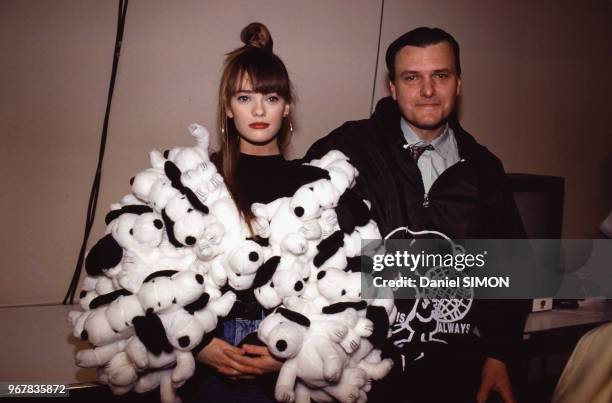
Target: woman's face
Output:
[(258, 118)]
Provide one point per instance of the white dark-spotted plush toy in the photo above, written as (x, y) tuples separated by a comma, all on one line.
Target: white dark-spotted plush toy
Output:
[(177, 249)]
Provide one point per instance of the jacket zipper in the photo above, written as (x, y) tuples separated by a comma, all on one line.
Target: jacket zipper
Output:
[(426, 200)]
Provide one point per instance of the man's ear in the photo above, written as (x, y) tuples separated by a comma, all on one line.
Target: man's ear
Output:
[(458, 86), (392, 90)]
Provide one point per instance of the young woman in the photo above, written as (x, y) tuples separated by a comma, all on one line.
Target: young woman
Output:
[(255, 98)]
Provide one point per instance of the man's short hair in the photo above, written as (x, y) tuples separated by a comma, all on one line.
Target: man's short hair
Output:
[(420, 37)]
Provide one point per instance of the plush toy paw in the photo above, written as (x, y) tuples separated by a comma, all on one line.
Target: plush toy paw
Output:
[(284, 394)]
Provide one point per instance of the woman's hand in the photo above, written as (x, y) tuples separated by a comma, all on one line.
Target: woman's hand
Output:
[(223, 357), (262, 362)]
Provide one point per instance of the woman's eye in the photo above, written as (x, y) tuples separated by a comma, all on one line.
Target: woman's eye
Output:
[(273, 98), (242, 98)]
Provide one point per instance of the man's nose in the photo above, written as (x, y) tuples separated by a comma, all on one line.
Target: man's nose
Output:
[(258, 108), (427, 88)]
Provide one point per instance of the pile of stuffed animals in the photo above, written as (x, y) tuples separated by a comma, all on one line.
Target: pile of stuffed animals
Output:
[(177, 250)]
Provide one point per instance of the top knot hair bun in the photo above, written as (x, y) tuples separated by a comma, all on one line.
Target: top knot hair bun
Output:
[(257, 35)]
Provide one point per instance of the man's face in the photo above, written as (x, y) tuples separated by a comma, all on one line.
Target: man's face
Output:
[(426, 85)]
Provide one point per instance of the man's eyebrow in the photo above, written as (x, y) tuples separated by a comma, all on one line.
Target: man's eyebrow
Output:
[(443, 71), (409, 72)]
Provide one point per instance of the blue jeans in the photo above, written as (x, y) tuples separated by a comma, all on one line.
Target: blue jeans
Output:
[(234, 330), (220, 389)]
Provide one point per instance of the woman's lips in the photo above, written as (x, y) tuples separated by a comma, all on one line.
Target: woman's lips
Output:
[(259, 125)]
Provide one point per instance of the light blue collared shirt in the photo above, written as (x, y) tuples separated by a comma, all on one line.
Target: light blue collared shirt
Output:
[(433, 162)]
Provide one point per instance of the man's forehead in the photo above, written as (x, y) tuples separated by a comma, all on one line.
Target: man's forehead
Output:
[(439, 56)]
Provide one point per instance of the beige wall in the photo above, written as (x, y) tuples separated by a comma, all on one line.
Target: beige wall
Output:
[(535, 90)]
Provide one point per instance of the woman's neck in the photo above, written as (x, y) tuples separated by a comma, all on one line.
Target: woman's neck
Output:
[(270, 148)]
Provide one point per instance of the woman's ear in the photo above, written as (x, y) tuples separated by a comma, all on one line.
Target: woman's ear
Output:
[(228, 113), (287, 110)]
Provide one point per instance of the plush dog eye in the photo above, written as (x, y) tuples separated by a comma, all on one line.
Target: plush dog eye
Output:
[(132, 231), (298, 286), (281, 345), (189, 210), (253, 256), (271, 285)]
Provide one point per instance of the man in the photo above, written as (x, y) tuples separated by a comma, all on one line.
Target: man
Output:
[(420, 169)]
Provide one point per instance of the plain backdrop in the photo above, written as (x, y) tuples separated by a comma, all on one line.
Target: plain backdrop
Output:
[(536, 90)]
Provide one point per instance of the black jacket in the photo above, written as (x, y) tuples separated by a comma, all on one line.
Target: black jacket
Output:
[(470, 200)]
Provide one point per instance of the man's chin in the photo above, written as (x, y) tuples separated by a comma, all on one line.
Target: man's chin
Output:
[(429, 124)]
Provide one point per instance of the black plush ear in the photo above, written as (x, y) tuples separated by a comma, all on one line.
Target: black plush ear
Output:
[(104, 255), (173, 173), (160, 273), (294, 317), (260, 241), (304, 174), (266, 271), (131, 209), (150, 330), (193, 200), (106, 299), (343, 306), (353, 264), (198, 304), (328, 248), (169, 225), (352, 211), (310, 173), (378, 316)]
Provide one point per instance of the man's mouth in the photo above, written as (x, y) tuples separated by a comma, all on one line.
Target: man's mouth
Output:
[(259, 125)]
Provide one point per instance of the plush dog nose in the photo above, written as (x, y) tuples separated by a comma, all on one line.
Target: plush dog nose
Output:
[(84, 335), (184, 341), (299, 211), (190, 240), (158, 224), (199, 278), (253, 256), (298, 286), (281, 345)]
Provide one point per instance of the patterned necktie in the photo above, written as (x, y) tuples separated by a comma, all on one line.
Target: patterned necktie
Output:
[(416, 151)]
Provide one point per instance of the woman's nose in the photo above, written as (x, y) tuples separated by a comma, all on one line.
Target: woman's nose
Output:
[(258, 108)]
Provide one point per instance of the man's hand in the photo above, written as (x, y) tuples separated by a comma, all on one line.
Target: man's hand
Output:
[(495, 376), (221, 356), (262, 363)]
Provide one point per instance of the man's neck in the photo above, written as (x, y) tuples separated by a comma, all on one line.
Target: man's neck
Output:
[(427, 135)]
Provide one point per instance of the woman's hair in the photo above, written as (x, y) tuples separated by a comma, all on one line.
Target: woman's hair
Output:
[(266, 73)]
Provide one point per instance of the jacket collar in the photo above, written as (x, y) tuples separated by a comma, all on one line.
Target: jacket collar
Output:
[(386, 118)]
